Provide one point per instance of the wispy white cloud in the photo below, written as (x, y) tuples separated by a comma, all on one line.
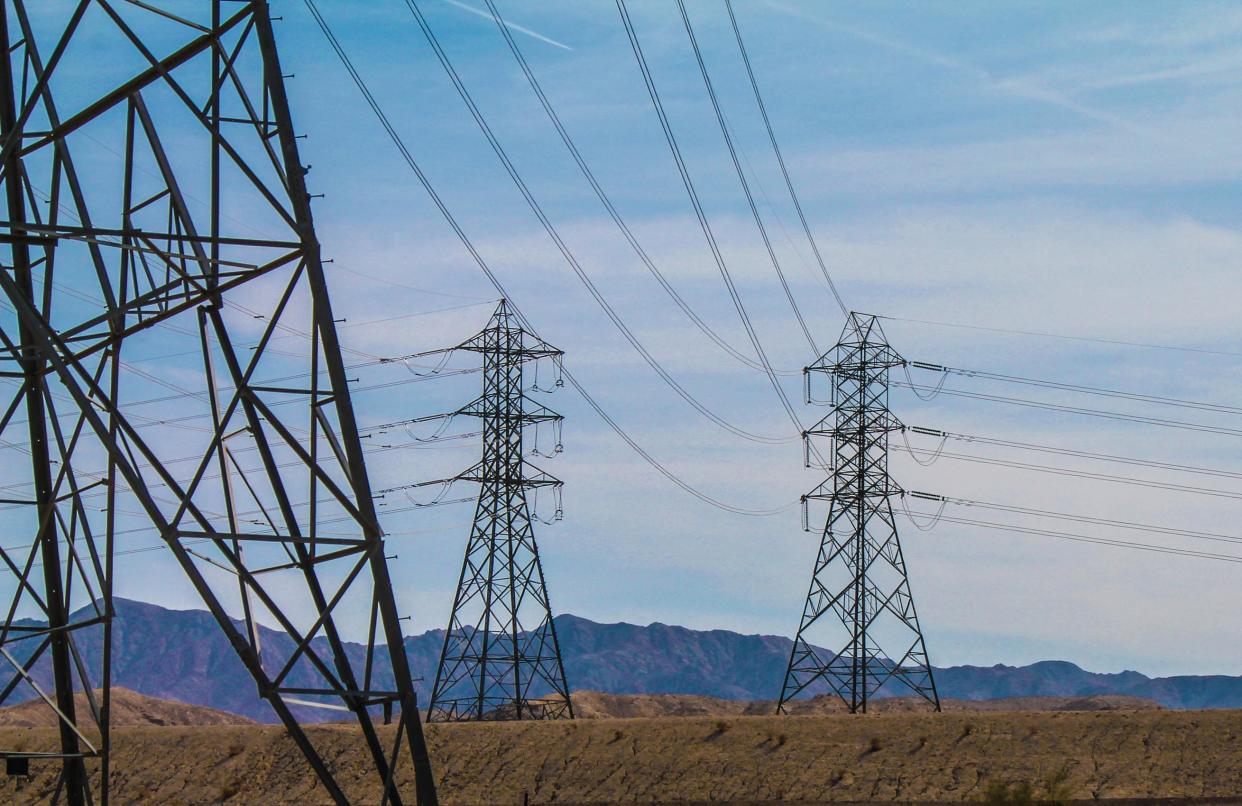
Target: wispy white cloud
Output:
[(1016, 87), (1185, 26), (510, 25), (1224, 64)]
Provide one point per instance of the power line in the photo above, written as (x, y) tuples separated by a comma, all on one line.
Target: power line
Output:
[(1072, 387), (1119, 524), (741, 176), (1065, 337), (1080, 538), (602, 195), (495, 281), (704, 224), (1052, 449), (1081, 474), (562, 247), (763, 110), (1111, 415)]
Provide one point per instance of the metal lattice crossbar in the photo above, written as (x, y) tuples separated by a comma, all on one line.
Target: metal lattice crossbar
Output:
[(156, 207), (501, 659), (859, 604)]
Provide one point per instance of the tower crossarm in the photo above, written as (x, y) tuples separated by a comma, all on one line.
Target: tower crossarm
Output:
[(500, 658), (859, 604), (529, 412)]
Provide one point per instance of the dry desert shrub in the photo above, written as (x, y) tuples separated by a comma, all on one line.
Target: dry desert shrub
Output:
[(1055, 788), (1019, 793)]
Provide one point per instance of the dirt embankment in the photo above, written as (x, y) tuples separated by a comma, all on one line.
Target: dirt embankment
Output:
[(598, 705), (950, 757), (128, 708)]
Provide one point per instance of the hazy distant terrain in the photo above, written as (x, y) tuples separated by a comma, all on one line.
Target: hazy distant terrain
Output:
[(128, 709), (182, 655)]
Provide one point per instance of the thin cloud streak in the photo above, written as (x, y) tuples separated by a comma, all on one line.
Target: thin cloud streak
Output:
[(511, 26), (1012, 86)]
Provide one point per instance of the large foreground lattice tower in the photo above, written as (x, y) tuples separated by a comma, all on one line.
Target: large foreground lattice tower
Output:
[(501, 659), (175, 394), (859, 630)]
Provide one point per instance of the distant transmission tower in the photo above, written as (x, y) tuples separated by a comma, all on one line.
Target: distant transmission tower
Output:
[(501, 659), (860, 600), (156, 240)]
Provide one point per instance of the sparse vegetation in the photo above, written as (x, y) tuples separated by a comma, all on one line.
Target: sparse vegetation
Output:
[(1018, 793), (1055, 788), (667, 759)]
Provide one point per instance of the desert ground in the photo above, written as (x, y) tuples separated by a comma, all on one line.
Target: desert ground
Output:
[(1116, 750)]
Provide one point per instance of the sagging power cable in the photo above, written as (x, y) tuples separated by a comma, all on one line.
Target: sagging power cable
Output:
[(1083, 474), (483, 266), (1140, 397), (1110, 522), (780, 159), (1067, 337), (1102, 541), (943, 436), (563, 248), (1110, 415), (704, 224), (741, 177), (639, 251)]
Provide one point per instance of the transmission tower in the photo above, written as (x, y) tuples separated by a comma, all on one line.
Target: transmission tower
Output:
[(501, 659), (860, 600), (158, 238)]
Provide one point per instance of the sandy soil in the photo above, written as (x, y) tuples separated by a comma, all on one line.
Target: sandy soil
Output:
[(598, 705), (917, 757)]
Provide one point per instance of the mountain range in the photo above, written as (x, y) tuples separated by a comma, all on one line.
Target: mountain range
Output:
[(182, 655)]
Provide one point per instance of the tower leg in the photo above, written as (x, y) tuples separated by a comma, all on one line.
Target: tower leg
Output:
[(501, 658), (859, 630)]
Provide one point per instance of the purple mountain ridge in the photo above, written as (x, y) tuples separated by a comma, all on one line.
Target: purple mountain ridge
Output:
[(182, 655)]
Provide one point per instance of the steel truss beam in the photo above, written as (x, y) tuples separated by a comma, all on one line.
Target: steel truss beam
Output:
[(501, 659), (860, 601), (105, 251)]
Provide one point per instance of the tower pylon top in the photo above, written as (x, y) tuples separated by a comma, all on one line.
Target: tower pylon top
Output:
[(859, 630), (501, 658)]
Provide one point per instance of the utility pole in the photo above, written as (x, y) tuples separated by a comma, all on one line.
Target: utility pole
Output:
[(500, 658), (859, 611)]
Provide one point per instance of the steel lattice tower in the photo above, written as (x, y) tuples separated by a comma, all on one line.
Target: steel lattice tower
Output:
[(860, 599), (156, 210), (501, 659)]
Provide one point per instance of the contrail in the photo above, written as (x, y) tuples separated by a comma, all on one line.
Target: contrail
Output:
[(485, 15), (1011, 86)]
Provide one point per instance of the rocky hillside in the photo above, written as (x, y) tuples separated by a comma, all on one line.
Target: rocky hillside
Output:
[(181, 655)]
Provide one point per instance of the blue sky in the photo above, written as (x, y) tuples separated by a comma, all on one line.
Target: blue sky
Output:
[(1059, 167)]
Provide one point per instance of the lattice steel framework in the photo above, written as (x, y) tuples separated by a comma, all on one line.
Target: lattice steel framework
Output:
[(500, 658), (860, 600), (159, 238)]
